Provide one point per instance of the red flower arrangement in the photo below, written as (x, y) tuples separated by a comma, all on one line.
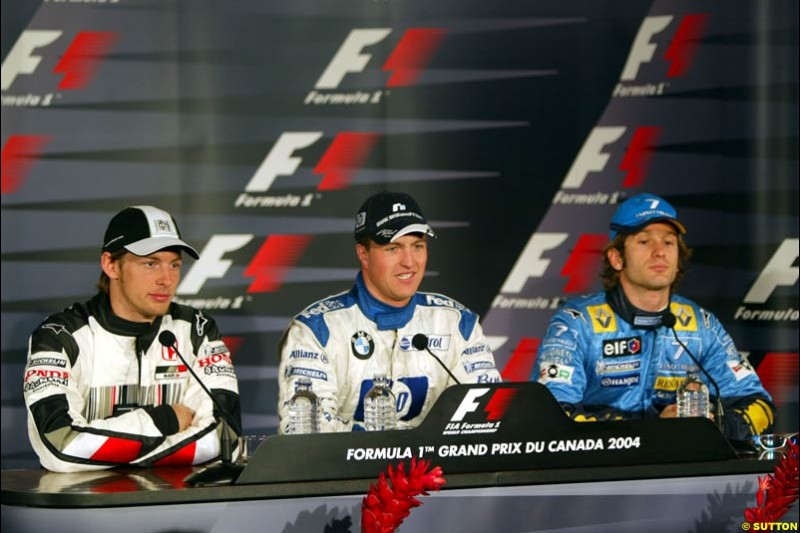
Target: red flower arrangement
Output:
[(776, 492), (386, 506)]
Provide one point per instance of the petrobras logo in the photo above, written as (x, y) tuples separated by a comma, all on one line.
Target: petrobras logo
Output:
[(305, 373), (268, 268), (404, 65), (72, 65), (480, 412), (580, 268), (478, 365), (604, 141), (659, 58), (779, 275), (337, 167)]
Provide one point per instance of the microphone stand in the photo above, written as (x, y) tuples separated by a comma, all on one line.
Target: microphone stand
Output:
[(224, 472), (718, 400), (420, 342)]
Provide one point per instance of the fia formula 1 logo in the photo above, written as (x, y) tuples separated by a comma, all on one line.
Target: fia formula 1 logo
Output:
[(486, 420), (405, 64)]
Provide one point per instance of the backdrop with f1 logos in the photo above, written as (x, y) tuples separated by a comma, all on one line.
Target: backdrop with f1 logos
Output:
[(517, 126)]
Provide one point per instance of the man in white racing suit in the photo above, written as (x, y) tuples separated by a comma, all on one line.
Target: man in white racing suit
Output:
[(99, 387), (343, 341)]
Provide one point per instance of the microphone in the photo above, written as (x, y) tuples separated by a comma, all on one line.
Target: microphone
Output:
[(226, 471), (669, 320), (420, 342)]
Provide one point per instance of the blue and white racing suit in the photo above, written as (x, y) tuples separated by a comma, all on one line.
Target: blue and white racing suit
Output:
[(601, 367), (343, 341)]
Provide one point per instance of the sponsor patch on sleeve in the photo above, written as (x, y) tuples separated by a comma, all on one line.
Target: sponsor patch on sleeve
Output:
[(555, 373), (741, 369)]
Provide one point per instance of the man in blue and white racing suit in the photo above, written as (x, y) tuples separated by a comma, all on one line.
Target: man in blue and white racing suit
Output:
[(613, 355), (342, 342)]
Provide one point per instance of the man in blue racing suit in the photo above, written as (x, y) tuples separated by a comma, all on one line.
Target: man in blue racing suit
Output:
[(343, 341), (614, 355)]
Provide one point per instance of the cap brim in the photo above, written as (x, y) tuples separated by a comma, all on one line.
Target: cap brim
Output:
[(414, 228), (628, 230), (154, 244)]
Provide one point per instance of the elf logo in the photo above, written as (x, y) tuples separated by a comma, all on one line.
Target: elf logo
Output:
[(340, 162), (680, 52), (495, 408), (622, 347), (580, 268), (78, 64), (269, 267), (595, 155), (406, 62)]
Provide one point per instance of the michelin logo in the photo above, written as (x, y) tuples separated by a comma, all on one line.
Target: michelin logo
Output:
[(306, 373)]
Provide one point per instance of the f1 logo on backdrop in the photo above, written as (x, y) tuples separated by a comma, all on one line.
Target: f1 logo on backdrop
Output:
[(595, 155), (581, 267), (679, 55), (269, 267), (780, 271), (406, 63), (77, 66)]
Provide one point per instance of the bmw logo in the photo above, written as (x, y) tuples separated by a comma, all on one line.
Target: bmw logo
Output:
[(362, 345)]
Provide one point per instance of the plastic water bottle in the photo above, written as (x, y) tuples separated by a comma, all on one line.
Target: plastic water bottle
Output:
[(303, 409), (692, 397), (380, 406)]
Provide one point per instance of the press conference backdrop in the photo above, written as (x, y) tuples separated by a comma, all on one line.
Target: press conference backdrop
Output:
[(517, 125)]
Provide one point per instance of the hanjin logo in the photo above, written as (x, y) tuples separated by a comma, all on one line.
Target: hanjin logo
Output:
[(338, 165), (675, 62), (77, 65), (406, 63)]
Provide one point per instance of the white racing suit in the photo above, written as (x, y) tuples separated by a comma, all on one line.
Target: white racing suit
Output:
[(98, 389), (600, 366), (343, 341)]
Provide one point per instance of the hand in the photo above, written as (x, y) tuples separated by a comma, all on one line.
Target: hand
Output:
[(184, 414), (670, 411)]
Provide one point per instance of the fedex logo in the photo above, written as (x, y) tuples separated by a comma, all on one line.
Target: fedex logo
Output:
[(346, 153), (496, 407), (269, 266), (594, 155), (581, 267), (406, 62), (78, 63), (680, 52)]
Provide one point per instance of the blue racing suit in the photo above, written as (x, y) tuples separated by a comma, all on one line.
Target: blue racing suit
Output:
[(600, 366)]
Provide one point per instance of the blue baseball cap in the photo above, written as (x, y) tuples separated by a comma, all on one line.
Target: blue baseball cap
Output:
[(638, 211)]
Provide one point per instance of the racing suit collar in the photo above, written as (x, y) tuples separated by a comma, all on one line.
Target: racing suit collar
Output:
[(386, 317), (100, 307), (631, 314)]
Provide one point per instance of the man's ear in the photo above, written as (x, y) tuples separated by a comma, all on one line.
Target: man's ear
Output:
[(615, 259), (361, 253), (109, 265)]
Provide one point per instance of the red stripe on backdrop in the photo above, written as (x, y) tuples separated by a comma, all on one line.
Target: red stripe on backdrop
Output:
[(520, 364), (778, 373)]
